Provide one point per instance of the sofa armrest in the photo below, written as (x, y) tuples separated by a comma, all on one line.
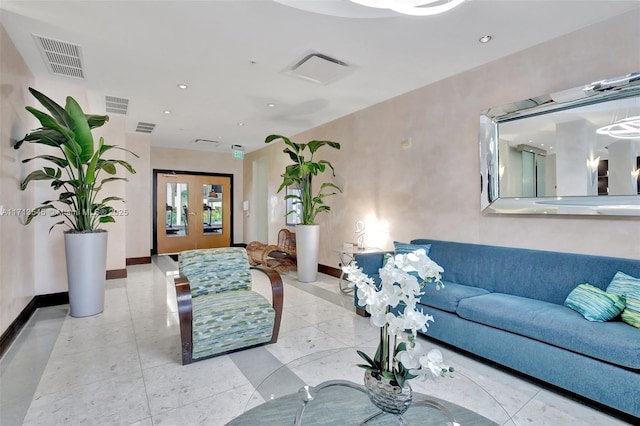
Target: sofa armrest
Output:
[(277, 296), (371, 262), (185, 316)]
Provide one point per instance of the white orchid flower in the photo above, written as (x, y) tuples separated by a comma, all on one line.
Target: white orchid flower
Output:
[(401, 281)]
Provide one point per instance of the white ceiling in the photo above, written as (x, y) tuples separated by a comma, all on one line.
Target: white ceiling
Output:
[(233, 56)]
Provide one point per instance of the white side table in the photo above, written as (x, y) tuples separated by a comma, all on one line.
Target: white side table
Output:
[(347, 256)]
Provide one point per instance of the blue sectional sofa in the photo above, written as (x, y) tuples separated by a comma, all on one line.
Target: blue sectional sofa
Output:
[(506, 305)]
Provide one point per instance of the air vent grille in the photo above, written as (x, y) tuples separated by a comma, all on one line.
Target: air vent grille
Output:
[(215, 143), (116, 105), (319, 68), (61, 57), (145, 127)]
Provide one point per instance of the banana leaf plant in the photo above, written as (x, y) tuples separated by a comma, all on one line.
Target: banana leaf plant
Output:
[(75, 172), (300, 175)]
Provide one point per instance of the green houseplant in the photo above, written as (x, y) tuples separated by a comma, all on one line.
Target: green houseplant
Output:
[(74, 170), (300, 175)]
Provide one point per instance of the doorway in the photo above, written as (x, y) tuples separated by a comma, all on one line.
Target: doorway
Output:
[(192, 210)]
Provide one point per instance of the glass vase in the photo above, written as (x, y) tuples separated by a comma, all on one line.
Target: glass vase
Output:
[(388, 397)]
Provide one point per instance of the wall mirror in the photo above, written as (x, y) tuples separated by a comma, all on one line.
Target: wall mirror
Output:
[(570, 152)]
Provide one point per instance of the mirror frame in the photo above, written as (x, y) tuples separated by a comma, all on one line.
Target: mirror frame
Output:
[(596, 92)]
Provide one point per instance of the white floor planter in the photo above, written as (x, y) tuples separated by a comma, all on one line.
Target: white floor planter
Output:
[(86, 271), (307, 246)]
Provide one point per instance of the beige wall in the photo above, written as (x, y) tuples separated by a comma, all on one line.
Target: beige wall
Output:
[(138, 198), (16, 241), (431, 190), (210, 162), (32, 259)]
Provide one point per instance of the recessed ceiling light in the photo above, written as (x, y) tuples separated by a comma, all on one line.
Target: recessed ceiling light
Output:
[(166, 111), (485, 39), (182, 86), (240, 123), (271, 105)]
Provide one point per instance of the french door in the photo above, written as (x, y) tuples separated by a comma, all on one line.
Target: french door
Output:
[(192, 211)]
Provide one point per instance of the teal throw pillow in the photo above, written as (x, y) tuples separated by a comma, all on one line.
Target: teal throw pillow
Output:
[(405, 248), (629, 287), (595, 304)]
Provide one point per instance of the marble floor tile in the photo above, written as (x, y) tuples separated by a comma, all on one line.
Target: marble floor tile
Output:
[(73, 340), (89, 366), (301, 342), (215, 410), (319, 311), (548, 408), (116, 401), (173, 385), (511, 392), (351, 330)]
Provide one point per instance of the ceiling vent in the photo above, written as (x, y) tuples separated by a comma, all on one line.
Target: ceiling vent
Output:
[(207, 141), (116, 105), (145, 127), (61, 58), (319, 68)]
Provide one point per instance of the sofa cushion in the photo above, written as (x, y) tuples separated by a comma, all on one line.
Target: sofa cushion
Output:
[(230, 320), (404, 248), (630, 287), (448, 297), (614, 341), (595, 304)]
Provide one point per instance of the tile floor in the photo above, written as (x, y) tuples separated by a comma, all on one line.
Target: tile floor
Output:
[(122, 367)]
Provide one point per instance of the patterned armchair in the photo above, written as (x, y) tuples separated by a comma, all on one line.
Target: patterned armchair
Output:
[(218, 311)]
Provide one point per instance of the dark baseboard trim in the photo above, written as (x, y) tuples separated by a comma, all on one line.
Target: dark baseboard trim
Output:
[(116, 273), (329, 270), (39, 301), (138, 260)]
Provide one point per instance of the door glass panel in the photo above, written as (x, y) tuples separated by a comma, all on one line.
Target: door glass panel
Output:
[(212, 200), (177, 209)]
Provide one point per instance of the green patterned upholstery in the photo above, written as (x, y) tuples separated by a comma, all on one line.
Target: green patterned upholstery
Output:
[(230, 320), (215, 270), (226, 315)]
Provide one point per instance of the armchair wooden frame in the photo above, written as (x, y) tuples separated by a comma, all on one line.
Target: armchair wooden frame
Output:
[(185, 312)]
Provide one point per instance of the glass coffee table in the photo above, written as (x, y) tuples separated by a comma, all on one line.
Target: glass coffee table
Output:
[(345, 402)]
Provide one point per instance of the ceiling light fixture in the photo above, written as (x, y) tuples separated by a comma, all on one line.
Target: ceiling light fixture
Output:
[(241, 124), (626, 128), (166, 111), (271, 105), (485, 39), (412, 7), (182, 86)]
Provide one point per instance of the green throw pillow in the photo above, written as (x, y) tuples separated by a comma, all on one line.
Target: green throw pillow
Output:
[(595, 304), (405, 248), (629, 287)]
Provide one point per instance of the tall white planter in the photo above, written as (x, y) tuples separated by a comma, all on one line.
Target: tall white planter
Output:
[(86, 271), (307, 246)]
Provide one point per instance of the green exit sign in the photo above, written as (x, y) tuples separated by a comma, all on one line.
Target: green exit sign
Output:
[(238, 154)]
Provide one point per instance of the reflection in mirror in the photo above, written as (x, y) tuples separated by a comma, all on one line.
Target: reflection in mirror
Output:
[(293, 215), (177, 209), (573, 152), (212, 209)]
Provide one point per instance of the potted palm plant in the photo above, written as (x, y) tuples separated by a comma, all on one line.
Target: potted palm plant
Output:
[(299, 175), (75, 165)]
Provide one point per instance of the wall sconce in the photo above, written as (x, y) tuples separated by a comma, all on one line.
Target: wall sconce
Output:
[(592, 165)]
